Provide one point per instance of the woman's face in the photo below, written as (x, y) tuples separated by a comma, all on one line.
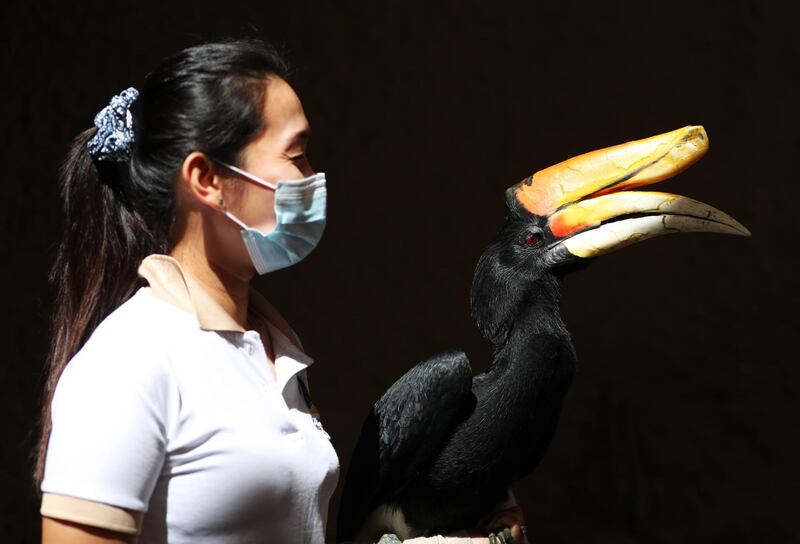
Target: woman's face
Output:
[(279, 153)]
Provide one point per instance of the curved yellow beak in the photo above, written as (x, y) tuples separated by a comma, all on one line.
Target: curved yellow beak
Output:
[(587, 207)]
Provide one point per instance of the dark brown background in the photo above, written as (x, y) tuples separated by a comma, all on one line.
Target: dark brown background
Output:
[(683, 423)]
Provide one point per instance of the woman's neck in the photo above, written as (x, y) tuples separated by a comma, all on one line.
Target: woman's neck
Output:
[(228, 290)]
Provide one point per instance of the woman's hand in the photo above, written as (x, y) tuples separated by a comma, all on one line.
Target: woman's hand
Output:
[(514, 535), (504, 526)]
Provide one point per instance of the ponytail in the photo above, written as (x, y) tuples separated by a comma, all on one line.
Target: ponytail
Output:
[(104, 239)]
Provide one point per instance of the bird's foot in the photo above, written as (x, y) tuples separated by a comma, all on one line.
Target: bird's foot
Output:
[(501, 536), (389, 538)]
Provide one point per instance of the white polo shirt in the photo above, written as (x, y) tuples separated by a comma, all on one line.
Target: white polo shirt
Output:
[(169, 422)]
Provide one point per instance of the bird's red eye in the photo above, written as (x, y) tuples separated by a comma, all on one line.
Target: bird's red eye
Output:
[(532, 239)]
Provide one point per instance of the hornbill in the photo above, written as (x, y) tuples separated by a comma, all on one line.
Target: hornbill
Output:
[(441, 447)]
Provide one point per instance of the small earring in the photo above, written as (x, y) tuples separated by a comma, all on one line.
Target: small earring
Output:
[(221, 202)]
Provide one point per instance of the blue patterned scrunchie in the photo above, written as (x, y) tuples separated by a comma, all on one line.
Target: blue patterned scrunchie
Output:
[(114, 124)]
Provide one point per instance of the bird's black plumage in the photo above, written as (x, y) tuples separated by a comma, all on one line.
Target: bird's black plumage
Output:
[(440, 445), (403, 432), (441, 448)]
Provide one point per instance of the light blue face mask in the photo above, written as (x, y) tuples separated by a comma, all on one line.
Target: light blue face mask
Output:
[(299, 221)]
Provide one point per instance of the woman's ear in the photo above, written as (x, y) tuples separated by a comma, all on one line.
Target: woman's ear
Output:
[(200, 177)]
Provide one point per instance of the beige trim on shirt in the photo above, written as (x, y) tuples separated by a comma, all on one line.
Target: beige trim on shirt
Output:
[(171, 283), (96, 514)]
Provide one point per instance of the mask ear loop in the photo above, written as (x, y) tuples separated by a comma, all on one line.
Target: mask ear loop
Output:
[(250, 177), (235, 220), (230, 215), (247, 175)]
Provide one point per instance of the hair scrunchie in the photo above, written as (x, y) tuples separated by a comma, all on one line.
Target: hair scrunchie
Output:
[(114, 137)]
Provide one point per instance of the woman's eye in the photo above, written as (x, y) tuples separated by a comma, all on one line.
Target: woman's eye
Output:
[(300, 157), (532, 239)]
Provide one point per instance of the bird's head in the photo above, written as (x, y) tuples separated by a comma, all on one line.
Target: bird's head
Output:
[(584, 207)]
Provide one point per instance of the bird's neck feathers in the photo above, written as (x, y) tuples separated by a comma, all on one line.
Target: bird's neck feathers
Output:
[(500, 301), (531, 372)]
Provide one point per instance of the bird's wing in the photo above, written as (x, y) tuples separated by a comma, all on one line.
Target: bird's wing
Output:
[(405, 428)]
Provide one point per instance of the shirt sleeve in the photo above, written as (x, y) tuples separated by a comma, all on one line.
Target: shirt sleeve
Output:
[(108, 438), (96, 514)]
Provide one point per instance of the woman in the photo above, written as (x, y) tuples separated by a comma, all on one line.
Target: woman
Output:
[(173, 389), (185, 393)]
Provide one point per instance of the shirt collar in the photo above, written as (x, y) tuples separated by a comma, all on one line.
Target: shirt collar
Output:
[(171, 283)]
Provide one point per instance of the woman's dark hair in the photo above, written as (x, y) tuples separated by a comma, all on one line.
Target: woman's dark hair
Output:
[(206, 98)]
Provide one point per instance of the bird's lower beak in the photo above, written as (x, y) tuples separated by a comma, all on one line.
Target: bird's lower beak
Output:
[(590, 214)]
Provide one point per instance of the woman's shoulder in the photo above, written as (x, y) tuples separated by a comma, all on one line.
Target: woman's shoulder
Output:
[(124, 367), (142, 321), (135, 338)]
